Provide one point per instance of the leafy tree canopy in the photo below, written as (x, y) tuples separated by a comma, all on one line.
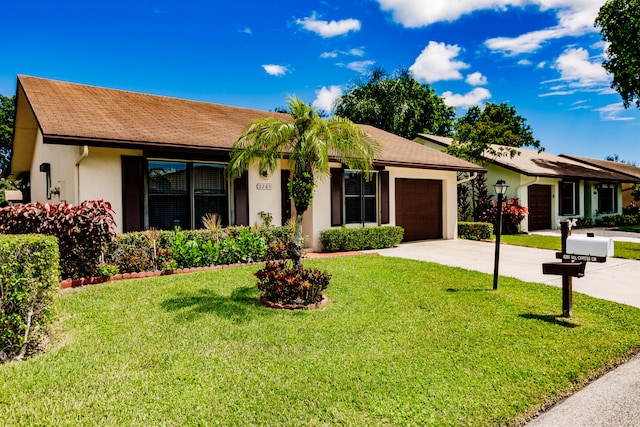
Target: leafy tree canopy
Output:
[(619, 22), (398, 104), (497, 130), (7, 119)]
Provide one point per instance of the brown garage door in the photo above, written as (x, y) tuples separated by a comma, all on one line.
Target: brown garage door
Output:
[(419, 208), (539, 207)]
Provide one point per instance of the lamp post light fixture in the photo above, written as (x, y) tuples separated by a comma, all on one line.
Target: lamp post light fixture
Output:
[(501, 188)]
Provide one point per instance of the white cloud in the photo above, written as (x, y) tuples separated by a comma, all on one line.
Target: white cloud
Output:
[(574, 18), (326, 98), (437, 62), (275, 70), (476, 79), (475, 97), (613, 112), (356, 51), (328, 29), (579, 71), (245, 30), (326, 55), (360, 66)]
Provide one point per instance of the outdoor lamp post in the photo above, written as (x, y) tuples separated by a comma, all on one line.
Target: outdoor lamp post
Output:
[(501, 188)]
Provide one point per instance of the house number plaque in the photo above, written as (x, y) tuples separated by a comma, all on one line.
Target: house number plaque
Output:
[(263, 186)]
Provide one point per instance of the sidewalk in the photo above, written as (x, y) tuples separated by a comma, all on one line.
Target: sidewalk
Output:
[(613, 399)]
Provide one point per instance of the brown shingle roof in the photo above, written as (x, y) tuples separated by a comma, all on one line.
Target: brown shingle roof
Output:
[(80, 114), (532, 163), (632, 171)]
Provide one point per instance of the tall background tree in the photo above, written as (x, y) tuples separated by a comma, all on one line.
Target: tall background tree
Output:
[(398, 104), (308, 141), (7, 120), (497, 130), (619, 22)]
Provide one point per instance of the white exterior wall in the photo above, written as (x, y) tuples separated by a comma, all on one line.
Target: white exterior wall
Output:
[(264, 195), (99, 176), (318, 217), (62, 160)]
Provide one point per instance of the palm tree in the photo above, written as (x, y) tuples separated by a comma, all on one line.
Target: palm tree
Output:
[(308, 141)]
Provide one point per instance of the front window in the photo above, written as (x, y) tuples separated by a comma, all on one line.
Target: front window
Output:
[(360, 198), (568, 198), (607, 199), (181, 193)]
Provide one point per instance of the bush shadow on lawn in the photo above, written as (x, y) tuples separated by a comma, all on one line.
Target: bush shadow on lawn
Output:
[(236, 307)]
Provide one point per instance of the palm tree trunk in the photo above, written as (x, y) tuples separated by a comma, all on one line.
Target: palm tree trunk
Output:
[(296, 250)]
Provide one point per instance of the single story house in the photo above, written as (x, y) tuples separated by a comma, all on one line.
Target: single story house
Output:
[(632, 171), (160, 162), (552, 187)]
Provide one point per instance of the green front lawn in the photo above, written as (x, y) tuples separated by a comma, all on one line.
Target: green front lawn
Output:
[(627, 250), (401, 343)]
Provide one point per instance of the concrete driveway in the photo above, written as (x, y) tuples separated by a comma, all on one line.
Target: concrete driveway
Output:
[(615, 280), (613, 399)]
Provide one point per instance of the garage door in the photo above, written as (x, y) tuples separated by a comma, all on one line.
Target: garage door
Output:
[(419, 208), (539, 207)]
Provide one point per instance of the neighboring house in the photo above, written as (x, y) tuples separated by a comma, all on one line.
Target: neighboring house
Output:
[(160, 162), (553, 188), (632, 171)]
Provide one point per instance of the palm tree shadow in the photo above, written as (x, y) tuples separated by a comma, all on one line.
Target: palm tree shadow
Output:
[(551, 318), (239, 307)]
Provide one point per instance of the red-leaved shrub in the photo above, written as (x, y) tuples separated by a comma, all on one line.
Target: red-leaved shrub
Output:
[(82, 230), (282, 284)]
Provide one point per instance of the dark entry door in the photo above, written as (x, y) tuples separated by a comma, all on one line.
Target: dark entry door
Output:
[(539, 207), (419, 208)]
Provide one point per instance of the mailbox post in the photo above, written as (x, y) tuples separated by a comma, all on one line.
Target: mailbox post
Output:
[(576, 252)]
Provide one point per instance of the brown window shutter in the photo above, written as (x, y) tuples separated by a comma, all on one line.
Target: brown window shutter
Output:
[(241, 199), (133, 193), (337, 176), (285, 197), (384, 197)]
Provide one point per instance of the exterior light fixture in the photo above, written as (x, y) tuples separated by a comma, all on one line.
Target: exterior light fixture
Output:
[(500, 188)]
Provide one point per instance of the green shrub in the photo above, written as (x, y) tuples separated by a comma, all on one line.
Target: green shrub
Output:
[(361, 238), (584, 222), (280, 283), (620, 220), (29, 282), (82, 231), (475, 230)]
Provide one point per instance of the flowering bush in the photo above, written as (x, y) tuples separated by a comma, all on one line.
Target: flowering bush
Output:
[(512, 215), (282, 284)]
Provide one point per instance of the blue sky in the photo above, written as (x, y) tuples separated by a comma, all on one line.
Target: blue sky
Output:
[(541, 56)]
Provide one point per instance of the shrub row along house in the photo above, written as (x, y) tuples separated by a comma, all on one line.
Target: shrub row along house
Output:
[(160, 162), (554, 188)]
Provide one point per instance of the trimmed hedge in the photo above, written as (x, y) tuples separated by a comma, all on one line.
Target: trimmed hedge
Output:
[(29, 282), (475, 230), (620, 220), (354, 239)]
